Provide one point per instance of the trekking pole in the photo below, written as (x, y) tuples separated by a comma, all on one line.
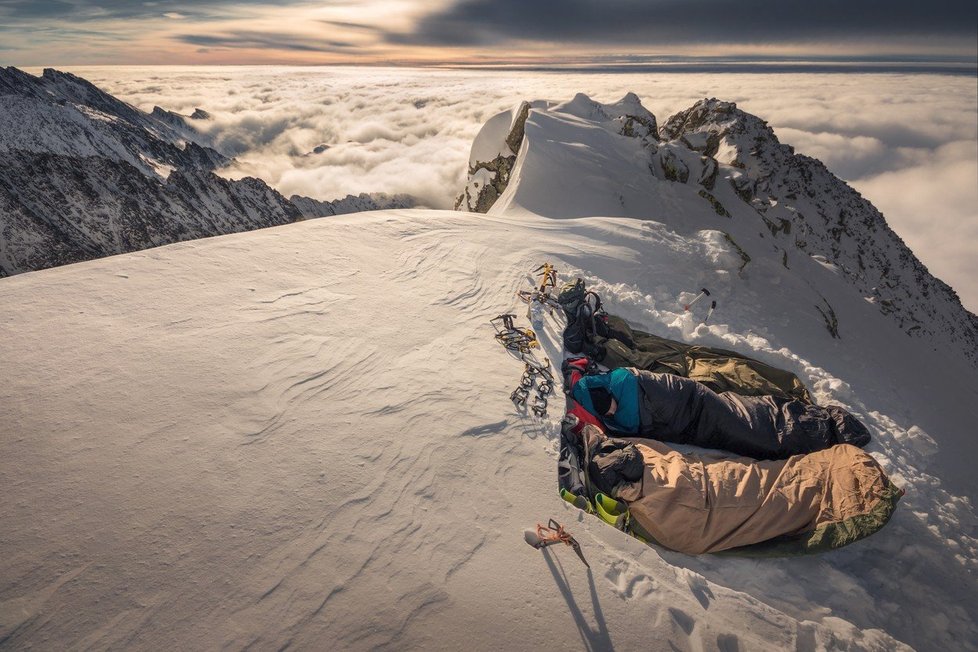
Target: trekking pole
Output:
[(703, 293), (713, 306)]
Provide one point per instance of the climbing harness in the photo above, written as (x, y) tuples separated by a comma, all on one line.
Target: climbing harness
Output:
[(550, 534)]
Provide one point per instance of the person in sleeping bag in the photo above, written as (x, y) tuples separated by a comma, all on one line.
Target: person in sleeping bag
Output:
[(670, 408)]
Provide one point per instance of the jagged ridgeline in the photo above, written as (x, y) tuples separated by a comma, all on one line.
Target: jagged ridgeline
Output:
[(712, 166), (85, 175)]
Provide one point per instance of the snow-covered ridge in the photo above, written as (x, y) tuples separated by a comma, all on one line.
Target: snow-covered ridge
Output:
[(710, 166), (85, 175), (267, 439)]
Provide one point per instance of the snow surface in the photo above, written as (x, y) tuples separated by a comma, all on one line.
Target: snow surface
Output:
[(301, 437)]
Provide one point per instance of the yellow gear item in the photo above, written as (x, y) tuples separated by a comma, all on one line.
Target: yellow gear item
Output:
[(579, 502), (610, 511)]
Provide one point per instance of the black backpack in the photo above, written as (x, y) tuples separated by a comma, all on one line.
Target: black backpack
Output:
[(585, 317)]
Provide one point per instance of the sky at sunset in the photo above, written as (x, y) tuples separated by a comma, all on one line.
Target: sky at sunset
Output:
[(534, 32)]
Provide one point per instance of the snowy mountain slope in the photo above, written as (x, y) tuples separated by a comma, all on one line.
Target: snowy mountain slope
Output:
[(60, 209), (85, 175), (711, 166), (60, 113), (264, 439)]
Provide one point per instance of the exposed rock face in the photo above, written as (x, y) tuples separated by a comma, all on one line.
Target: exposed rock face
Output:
[(377, 201), (489, 178), (812, 210), (495, 151), (59, 209), (733, 163), (60, 113), (84, 175)]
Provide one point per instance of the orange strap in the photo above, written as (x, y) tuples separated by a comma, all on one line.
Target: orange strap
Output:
[(549, 534)]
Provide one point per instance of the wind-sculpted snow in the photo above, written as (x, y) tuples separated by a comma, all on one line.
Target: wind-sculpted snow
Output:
[(268, 440), (713, 166)]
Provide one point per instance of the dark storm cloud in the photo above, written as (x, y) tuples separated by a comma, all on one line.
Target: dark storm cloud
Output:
[(268, 40), (485, 22), (26, 9), (83, 10)]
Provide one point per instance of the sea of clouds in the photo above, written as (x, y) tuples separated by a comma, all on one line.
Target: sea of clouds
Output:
[(908, 142)]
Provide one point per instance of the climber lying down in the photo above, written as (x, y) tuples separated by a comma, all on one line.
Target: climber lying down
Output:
[(702, 503), (671, 408)]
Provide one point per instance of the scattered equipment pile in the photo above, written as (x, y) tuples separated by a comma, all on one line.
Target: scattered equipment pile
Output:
[(827, 498)]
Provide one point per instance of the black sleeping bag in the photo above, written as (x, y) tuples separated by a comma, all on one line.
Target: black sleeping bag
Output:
[(680, 410)]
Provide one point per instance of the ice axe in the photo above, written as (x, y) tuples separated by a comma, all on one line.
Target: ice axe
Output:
[(548, 535)]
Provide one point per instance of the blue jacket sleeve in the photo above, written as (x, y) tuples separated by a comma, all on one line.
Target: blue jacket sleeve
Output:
[(623, 385)]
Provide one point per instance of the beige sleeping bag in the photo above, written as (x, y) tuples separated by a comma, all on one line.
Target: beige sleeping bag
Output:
[(698, 503)]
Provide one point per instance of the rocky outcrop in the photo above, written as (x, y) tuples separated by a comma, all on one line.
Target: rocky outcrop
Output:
[(59, 209), (60, 113), (377, 201), (802, 202), (489, 178), (488, 175)]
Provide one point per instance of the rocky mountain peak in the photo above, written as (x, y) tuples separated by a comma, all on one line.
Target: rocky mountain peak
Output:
[(81, 92), (62, 113), (732, 136), (720, 163), (17, 82)]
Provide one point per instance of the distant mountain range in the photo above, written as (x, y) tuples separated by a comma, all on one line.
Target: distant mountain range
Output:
[(85, 175), (712, 166)]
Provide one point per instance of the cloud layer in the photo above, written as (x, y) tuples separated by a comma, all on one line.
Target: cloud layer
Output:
[(909, 143)]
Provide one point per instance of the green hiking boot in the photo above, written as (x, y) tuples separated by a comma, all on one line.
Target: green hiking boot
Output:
[(579, 502), (611, 511)]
